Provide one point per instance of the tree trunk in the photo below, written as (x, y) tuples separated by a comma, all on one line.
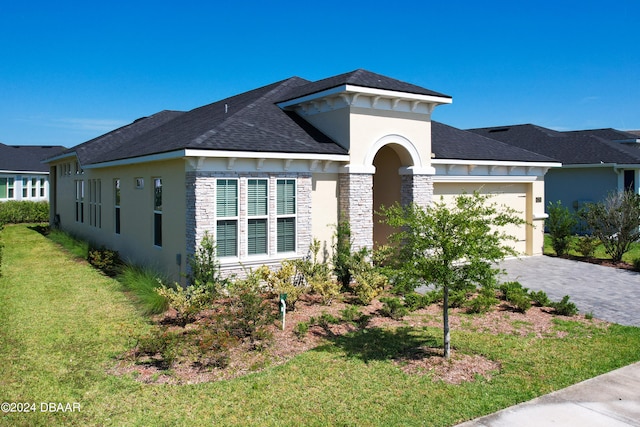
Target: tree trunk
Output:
[(445, 317)]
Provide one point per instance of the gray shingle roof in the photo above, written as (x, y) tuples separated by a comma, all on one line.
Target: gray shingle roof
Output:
[(250, 121), (362, 78), (451, 143), (26, 158), (571, 148)]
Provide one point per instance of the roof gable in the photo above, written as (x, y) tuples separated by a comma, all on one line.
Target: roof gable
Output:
[(361, 78)]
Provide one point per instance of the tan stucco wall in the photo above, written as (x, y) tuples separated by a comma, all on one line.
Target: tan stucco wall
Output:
[(324, 211), (135, 241)]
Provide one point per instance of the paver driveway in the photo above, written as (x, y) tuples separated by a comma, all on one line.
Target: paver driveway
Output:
[(608, 293)]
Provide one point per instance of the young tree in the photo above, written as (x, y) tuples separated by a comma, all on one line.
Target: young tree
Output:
[(560, 224), (615, 221), (452, 246)]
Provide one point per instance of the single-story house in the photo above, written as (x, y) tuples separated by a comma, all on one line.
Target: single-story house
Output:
[(594, 162), (268, 170), (23, 176)]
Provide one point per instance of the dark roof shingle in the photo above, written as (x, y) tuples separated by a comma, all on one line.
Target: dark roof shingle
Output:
[(571, 148), (27, 158)]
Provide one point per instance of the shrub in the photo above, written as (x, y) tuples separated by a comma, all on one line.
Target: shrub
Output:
[(317, 274), (327, 319), (615, 222), (285, 280), (483, 303), (636, 264), (142, 282), (565, 307), (586, 245), (342, 256), (205, 267), (106, 260), (369, 281), (248, 312), (187, 302), (540, 298), (393, 307), (516, 295), (560, 224), (1, 248), (351, 314), (162, 343), (21, 211)]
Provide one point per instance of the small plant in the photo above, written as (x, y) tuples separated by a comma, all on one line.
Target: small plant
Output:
[(301, 329), (484, 302), (318, 275), (161, 347), (369, 282), (561, 224), (351, 314), (586, 245), (327, 319), (248, 313), (516, 295), (142, 282), (205, 267), (564, 307), (342, 256), (589, 316), (106, 260), (636, 264), (187, 302), (393, 307), (283, 281), (540, 298)]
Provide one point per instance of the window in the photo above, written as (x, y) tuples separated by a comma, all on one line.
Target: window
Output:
[(257, 212), (25, 188), (116, 192), (42, 187), (34, 187), (6, 188), (79, 201), (227, 217), (286, 211), (95, 203), (157, 211)]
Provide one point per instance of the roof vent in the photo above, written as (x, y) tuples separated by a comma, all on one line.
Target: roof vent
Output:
[(498, 130)]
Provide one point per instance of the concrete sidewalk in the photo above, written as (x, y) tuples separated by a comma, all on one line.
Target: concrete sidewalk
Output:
[(610, 400)]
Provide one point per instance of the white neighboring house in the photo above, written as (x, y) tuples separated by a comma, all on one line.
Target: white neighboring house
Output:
[(23, 176)]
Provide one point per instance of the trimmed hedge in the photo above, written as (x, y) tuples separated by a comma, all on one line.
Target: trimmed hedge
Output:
[(20, 211)]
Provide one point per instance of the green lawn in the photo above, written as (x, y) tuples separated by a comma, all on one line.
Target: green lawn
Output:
[(63, 324)]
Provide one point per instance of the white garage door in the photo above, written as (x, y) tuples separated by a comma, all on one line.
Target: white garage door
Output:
[(512, 195)]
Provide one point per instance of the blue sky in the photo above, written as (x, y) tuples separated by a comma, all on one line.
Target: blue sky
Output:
[(70, 71)]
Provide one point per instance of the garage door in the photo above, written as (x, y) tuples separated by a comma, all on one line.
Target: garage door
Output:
[(512, 195)]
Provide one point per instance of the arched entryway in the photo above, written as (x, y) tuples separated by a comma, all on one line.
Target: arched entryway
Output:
[(387, 190)]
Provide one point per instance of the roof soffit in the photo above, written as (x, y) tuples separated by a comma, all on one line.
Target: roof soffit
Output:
[(348, 95)]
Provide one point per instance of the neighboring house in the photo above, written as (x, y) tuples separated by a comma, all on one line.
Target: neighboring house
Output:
[(594, 162), (266, 171), (23, 176)]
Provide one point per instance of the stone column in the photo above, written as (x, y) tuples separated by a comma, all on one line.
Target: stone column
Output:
[(417, 189), (356, 207)]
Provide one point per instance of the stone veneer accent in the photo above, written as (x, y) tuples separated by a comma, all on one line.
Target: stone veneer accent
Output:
[(356, 207), (201, 213), (417, 189)]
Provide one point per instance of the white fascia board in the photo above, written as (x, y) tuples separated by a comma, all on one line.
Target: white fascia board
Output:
[(495, 163), (266, 155), (59, 157), (485, 178), (368, 91), (14, 172), (179, 154), (603, 165)]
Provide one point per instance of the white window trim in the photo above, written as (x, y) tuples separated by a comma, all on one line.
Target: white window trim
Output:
[(266, 217), (236, 257)]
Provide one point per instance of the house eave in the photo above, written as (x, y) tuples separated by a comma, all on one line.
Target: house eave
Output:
[(20, 172), (219, 154), (496, 163), (602, 165)]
